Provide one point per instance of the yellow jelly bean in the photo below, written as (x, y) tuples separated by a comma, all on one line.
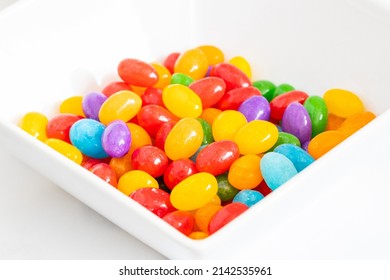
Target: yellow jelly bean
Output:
[(134, 180), (72, 105), (123, 105), (66, 149), (226, 125), (324, 142), (256, 137), (139, 137), (242, 64), (34, 123), (164, 76), (343, 103), (356, 122), (204, 214), (194, 192), (193, 63), (182, 101), (184, 139), (197, 235), (214, 55), (245, 172), (209, 114)]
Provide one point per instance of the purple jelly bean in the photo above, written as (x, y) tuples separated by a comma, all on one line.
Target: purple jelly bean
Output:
[(296, 120), (92, 103), (255, 108), (116, 139)]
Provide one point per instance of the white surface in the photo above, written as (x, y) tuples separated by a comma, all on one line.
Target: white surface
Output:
[(337, 208)]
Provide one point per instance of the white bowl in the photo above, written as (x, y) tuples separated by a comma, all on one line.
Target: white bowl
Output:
[(336, 208)]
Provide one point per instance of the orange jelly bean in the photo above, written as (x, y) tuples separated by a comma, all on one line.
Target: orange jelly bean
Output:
[(204, 214), (324, 142), (356, 122), (245, 172), (193, 63)]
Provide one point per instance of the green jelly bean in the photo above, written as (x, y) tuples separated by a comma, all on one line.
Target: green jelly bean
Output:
[(226, 191), (207, 132), (283, 88), (180, 78), (266, 88), (318, 113), (286, 138)]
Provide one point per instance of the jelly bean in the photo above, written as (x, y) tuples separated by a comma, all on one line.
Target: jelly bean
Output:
[(180, 78), (226, 125), (356, 122), (242, 64), (114, 87), (255, 108), (279, 104), (87, 162), (217, 157), (256, 137), (162, 134), (296, 120), (138, 73), (92, 103), (138, 90), (121, 165), (58, 126), (334, 122), (216, 200), (170, 61), (226, 191), (232, 76), (263, 188), (266, 88), (204, 214), (207, 133), (283, 88), (226, 215), (184, 139), (86, 135), (177, 171), (183, 221), (209, 114), (198, 235), (193, 63), (152, 96), (298, 156), (305, 145), (150, 159), (194, 192), (324, 142), (248, 197), (164, 75), (182, 101), (134, 180), (116, 139), (245, 172), (151, 117), (343, 103), (34, 123), (122, 105), (209, 89), (72, 105), (286, 138), (276, 169), (155, 200), (233, 98), (318, 112), (139, 136), (66, 149), (213, 54), (104, 172)]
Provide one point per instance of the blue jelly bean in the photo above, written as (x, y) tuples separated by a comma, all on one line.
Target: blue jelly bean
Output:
[(248, 197), (276, 169), (255, 108), (296, 120), (116, 139), (298, 156), (91, 104), (86, 135)]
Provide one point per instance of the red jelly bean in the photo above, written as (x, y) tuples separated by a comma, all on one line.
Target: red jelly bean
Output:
[(152, 96), (279, 104), (177, 171), (150, 159), (217, 157), (170, 61), (162, 134), (183, 221), (138, 73), (233, 98), (89, 162), (58, 127), (233, 77), (104, 171), (151, 117), (228, 213), (263, 188), (155, 200), (114, 87), (209, 89)]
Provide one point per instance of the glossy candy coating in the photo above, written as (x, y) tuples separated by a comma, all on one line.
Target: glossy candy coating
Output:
[(324, 142), (242, 64), (170, 61), (232, 76), (204, 214), (152, 96), (163, 133), (150, 159), (296, 120), (209, 114), (138, 73), (194, 192), (104, 172), (356, 122), (248, 197), (245, 172), (86, 135), (193, 63), (276, 169), (116, 139), (343, 103), (66, 149), (180, 78), (164, 75), (279, 104), (213, 54), (59, 126), (73, 105), (226, 125), (226, 215), (151, 117), (298, 156), (34, 123), (209, 89), (154, 199), (139, 136), (232, 99), (114, 87), (286, 138), (255, 108), (226, 191), (183, 221), (182, 101), (283, 88), (207, 133), (134, 180), (178, 170), (267, 88), (334, 122), (318, 112), (92, 103), (121, 165), (198, 235)]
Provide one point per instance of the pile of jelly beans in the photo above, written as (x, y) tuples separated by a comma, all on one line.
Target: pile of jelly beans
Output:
[(195, 139)]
